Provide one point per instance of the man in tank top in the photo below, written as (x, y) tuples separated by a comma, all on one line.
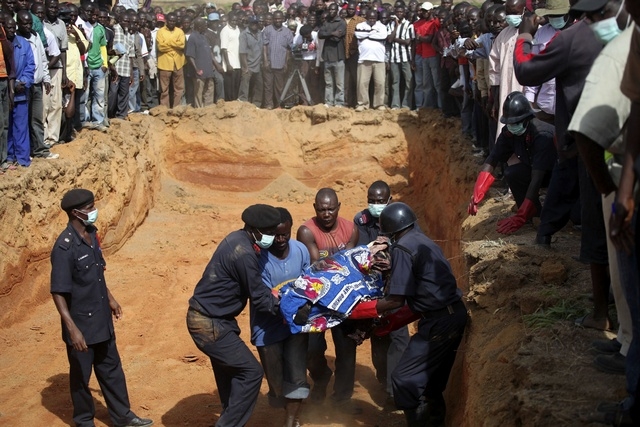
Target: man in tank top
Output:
[(324, 235)]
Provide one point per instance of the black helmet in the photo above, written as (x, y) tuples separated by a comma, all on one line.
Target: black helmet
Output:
[(516, 108), (396, 217)]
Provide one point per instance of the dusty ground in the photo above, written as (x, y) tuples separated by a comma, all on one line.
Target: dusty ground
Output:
[(171, 186)]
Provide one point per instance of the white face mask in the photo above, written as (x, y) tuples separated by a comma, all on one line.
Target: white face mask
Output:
[(92, 217), (376, 209), (607, 29), (558, 22), (266, 241), (513, 20)]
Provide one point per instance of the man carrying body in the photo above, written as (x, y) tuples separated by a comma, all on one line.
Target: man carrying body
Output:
[(86, 307), (385, 350), (324, 235), (232, 276), (282, 354), (420, 276)]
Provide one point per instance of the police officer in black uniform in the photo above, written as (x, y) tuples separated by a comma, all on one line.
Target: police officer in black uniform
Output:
[(86, 307), (387, 349), (232, 276), (420, 276), (526, 146)]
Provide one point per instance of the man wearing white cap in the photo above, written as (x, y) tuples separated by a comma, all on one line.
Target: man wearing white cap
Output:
[(427, 62)]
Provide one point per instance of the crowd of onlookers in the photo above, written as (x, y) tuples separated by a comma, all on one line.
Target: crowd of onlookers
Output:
[(91, 62)]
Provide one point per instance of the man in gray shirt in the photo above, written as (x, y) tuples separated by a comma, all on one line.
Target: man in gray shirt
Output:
[(277, 48), (251, 43)]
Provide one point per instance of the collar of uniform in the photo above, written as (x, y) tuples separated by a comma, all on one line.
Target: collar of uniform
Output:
[(76, 236)]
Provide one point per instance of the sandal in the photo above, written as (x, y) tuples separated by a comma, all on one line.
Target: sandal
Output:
[(587, 321)]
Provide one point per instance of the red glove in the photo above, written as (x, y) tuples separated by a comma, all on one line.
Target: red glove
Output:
[(484, 181), (512, 224), (364, 310), (396, 320)]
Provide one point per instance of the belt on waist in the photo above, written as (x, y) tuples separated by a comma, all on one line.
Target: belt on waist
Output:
[(201, 312), (445, 311)]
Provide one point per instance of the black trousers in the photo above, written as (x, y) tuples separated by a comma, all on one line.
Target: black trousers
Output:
[(119, 98), (345, 373), (562, 196), (104, 359), (425, 365), (237, 372)]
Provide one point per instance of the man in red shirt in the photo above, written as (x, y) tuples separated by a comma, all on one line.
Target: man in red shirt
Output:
[(427, 62), (324, 235)]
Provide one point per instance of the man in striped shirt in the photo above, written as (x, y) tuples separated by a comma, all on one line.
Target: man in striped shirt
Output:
[(402, 51)]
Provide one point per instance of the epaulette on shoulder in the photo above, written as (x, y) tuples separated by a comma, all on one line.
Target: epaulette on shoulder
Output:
[(65, 240), (362, 218)]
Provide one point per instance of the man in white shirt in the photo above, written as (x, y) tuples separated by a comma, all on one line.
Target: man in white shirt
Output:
[(371, 36)]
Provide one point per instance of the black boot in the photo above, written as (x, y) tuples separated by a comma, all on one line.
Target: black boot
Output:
[(417, 417)]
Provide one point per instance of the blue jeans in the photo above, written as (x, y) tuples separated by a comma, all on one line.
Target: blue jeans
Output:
[(97, 80), (334, 82), (428, 92)]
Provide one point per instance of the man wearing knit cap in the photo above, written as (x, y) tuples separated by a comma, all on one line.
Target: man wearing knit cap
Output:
[(86, 308), (232, 276)]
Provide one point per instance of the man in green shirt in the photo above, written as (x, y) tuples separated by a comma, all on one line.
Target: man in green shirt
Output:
[(97, 63)]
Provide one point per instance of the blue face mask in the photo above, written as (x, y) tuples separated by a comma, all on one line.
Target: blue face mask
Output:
[(513, 20), (558, 22), (606, 30), (266, 241), (92, 217), (376, 209), (517, 128)]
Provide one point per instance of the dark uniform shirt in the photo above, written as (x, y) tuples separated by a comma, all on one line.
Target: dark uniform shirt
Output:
[(421, 273), (77, 273), (568, 57), (232, 275), (534, 148), (368, 227)]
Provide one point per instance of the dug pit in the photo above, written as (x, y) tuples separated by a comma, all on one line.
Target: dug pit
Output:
[(171, 185)]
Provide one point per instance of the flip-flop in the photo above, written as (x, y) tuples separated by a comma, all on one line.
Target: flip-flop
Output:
[(580, 321)]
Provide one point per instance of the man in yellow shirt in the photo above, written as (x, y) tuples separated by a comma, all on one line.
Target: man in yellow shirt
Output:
[(170, 42)]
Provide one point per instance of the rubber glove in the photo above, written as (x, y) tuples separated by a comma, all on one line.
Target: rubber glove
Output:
[(396, 320), (484, 181), (512, 224), (364, 310)]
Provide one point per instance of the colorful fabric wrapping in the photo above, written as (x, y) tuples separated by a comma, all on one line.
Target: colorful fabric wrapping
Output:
[(333, 285)]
